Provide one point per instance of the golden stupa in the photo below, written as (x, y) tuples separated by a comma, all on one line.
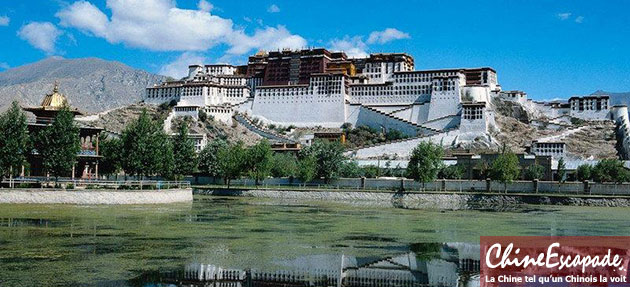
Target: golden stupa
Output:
[(51, 104), (54, 101)]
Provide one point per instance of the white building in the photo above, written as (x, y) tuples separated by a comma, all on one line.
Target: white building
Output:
[(594, 107), (211, 88), (514, 96), (473, 118), (385, 93), (379, 68), (554, 149)]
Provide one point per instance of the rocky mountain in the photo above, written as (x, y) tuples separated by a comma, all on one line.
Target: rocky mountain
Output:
[(90, 84), (616, 98)]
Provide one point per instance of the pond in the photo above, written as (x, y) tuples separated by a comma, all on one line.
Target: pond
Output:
[(250, 240)]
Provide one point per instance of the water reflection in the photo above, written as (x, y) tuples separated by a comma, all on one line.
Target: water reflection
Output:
[(426, 264)]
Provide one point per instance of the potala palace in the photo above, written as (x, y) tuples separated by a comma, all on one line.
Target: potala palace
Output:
[(320, 88)]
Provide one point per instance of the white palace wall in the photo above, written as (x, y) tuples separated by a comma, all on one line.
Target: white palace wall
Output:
[(301, 110), (320, 103), (444, 123), (406, 113), (476, 93), (385, 94), (444, 102), (364, 116), (590, 115), (620, 115)]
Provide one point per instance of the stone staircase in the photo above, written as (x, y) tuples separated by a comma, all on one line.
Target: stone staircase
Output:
[(421, 128), (265, 133), (401, 109), (168, 121)]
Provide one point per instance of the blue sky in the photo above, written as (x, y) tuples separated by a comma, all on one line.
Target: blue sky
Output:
[(550, 49)]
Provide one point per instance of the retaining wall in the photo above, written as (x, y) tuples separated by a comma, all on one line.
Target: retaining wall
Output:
[(416, 200), (443, 185), (38, 196)]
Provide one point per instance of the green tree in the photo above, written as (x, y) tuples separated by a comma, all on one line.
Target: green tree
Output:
[(370, 171), (146, 148), (610, 170), (350, 169), (284, 165), (562, 170), (583, 172), (328, 156), (166, 162), (184, 155), (203, 116), (208, 160), (387, 169), (111, 150), (534, 171), (394, 134), (425, 162), (259, 158), (505, 168), (13, 140), (232, 161), (452, 172), (307, 168), (483, 169), (58, 144)]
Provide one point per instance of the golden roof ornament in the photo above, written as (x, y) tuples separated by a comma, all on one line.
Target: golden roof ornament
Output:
[(55, 100)]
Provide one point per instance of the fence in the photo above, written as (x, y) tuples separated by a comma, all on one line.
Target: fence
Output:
[(394, 184), (42, 182)]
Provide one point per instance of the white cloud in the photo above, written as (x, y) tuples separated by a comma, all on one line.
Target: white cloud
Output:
[(270, 38), (4, 66), (273, 8), (85, 17), (41, 35), (563, 16), (158, 25), (354, 47), (579, 19), (179, 67), (4, 20), (387, 35), (205, 6)]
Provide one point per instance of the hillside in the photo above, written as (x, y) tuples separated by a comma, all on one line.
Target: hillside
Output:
[(585, 140), (90, 84), (116, 120), (616, 98)]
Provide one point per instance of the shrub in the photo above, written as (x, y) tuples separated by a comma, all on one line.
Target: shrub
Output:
[(577, 121), (370, 171), (451, 172), (203, 116), (534, 171), (350, 169), (610, 170), (584, 172), (284, 165)]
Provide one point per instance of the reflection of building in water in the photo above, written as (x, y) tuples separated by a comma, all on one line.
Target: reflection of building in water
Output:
[(430, 264)]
